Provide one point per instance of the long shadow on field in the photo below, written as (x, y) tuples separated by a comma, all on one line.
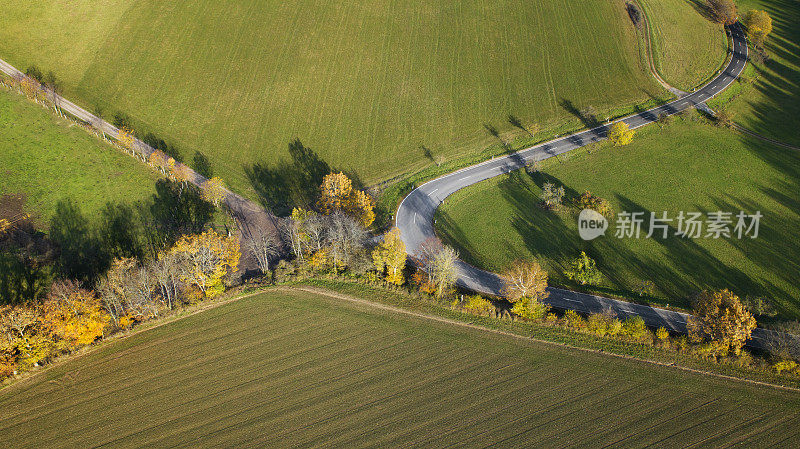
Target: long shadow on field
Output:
[(702, 8), (289, 184), (695, 268), (587, 116), (496, 134), (775, 249)]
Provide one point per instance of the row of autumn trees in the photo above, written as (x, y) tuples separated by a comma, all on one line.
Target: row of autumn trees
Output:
[(720, 324), (334, 238), (72, 316)]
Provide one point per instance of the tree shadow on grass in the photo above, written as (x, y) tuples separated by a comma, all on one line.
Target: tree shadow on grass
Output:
[(289, 184), (587, 116)]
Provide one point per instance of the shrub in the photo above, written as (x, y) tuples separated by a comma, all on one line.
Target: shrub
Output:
[(614, 327), (788, 366), (574, 320), (583, 270), (478, 305), (662, 334), (598, 324), (634, 329), (530, 309), (552, 195), (588, 200)]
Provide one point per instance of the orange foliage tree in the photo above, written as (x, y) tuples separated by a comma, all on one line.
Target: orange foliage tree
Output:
[(337, 194), (208, 258), (73, 316)]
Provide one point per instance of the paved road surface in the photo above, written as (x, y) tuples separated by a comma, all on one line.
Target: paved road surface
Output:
[(416, 212)]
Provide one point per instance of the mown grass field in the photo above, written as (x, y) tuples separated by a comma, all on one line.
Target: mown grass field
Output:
[(687, 166), (291, 368), (771, 106), (46, 159), (365, 84), (688, 49)]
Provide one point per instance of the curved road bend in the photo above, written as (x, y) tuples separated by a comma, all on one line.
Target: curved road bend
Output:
[(416, 212)]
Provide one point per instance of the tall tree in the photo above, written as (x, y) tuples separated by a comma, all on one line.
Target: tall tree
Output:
[(620, 134), (723, 11), (209, 258), (759, 25), (389, 257), (337, 194), (525, 280), (720, 317)]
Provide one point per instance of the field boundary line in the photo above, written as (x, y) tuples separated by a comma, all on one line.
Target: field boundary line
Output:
[(400, 310)]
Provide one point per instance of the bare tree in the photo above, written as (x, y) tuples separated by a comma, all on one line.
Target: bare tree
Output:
[(166, 274), (345, 238), (292, 233), (264, 247), (315, 228), (142, 286), (439, 262), (443, 271)]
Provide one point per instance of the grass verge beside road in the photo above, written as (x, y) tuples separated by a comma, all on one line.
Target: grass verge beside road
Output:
[(44, 159)]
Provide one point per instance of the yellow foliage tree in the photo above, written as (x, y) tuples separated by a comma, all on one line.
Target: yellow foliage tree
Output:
[(620, 134), (74, 316), (360, 206), (126, 138), (319, 261), (31, 88), (337, 193), (159, 161), (389, 257), (525, 280), (759, 25), (721, 318), (208, 258), (214, 190)]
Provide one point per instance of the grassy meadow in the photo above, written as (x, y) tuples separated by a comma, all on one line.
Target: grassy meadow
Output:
[(771, 104), (295, 368), (45, 159), (687, 166), (375, 87), (688, 49)]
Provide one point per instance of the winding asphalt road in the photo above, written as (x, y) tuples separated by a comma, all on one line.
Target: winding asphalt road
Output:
[(416, 212)]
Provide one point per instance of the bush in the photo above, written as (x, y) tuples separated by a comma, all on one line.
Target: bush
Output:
[(588, 200), (530, 309), (634, 329), (662, 335), (598, 324), (787, 366), (478, 305), (574, 320)]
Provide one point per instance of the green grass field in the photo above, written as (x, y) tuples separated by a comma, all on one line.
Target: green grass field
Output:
[(365, 84), (686, 166), (688, 48), (46, 159), (291, 368), (771, 106)]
